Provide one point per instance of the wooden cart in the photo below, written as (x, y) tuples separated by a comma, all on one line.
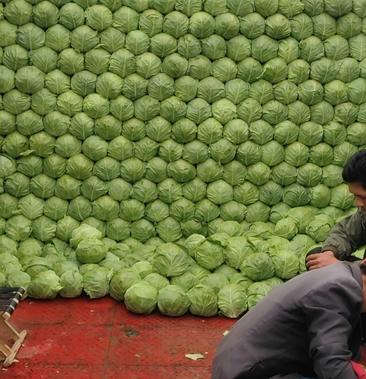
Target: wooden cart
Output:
[(10, 338)]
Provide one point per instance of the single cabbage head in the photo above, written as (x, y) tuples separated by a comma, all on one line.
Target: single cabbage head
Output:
[(258, 266), (286, 264), (203, 301), (96, 282), (232, 300), (91, 250), (256, 292), (45, 285), (72, 284), (173, 301), (141, 298), (170, 260)]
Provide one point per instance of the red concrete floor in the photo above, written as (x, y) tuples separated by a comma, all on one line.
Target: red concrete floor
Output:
[(100, 339)]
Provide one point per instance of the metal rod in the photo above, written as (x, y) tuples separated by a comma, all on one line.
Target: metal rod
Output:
[(10, 290), (12, 302)]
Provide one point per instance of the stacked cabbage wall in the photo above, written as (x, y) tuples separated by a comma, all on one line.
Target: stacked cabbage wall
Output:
[(165, 118)]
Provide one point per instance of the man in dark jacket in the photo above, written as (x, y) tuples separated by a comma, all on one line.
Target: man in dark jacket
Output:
[(309, 326), (349, 234)]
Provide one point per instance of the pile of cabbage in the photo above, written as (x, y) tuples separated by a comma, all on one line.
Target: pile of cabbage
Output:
[(226, 273), (155, 120)]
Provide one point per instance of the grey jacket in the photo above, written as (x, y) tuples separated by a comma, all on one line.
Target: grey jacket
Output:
[(309, 325), (347, 236)]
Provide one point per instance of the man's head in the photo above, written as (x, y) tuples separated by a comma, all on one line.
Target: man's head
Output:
[(354, 173)]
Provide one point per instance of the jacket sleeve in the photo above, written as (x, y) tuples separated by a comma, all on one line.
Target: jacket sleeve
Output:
[(347, 236), (328, 315)]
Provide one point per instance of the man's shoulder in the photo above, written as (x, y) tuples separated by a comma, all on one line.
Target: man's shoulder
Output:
[(338, 275), (358, 215), (334, 281)]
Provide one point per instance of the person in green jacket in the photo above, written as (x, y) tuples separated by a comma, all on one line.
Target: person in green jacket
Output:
[(350, 233)]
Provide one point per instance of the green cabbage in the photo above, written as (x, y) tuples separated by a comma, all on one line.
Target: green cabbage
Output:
[(45, 285), (170, 260), (91, 250), (121, 282), (96, 282), (203, 301), (232, 300), (257, 266), (141, 298), (173, 301)]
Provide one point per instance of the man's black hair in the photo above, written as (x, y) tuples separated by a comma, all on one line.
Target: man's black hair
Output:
[(355, 169)]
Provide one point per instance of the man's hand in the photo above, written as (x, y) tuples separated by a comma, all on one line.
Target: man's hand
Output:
[(319, 260)]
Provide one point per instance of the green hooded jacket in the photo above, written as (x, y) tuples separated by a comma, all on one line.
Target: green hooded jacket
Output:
[(347, 236)]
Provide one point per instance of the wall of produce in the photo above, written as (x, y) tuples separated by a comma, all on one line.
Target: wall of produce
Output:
[(176, 154)]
